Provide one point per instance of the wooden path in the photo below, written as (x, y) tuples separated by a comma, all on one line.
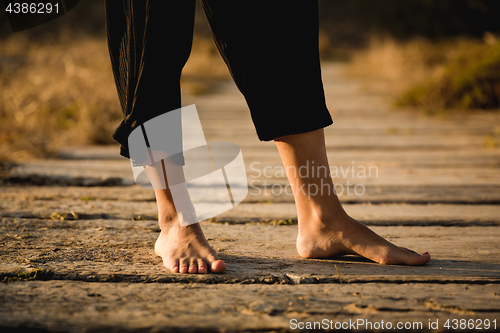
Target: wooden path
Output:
[(83, 233)]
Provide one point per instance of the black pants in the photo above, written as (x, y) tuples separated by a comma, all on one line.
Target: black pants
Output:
[(270, 48)]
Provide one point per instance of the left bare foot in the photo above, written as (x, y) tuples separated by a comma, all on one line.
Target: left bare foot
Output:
[(185, 249)]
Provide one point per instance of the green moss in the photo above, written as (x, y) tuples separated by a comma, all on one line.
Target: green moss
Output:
[(281, 222), (64, 216), (25, 276)]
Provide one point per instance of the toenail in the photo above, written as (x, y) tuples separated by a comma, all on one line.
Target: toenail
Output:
[(425, 253)]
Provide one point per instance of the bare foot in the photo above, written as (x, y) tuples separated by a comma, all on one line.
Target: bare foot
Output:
[(343, 235), (325, 229), (185, 249)]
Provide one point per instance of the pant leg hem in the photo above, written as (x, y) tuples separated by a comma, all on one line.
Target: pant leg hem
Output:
[(291, 131)]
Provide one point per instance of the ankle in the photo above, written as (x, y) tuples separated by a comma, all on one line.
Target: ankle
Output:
[(319, 217), (166, 221)]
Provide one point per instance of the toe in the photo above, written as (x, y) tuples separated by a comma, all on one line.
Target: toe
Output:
[(183, 266), (202, 266), (218, 266), (417, 259), (424, 258), (404, 256), (193, 267), (173, 266), (215, 265)]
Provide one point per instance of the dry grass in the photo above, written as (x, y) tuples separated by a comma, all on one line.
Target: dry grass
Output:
[(53, 95), (403, 63), (471, 81), (63, 93), (455, 74)]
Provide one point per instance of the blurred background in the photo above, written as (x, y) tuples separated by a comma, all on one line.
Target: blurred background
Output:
[(57, 88)]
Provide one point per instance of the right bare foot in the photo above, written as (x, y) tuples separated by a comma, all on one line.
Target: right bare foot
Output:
[(325, 229), (340, 234), (186, 250)]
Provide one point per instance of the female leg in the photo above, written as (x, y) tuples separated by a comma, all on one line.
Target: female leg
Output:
[(149, 43), (271, 48)]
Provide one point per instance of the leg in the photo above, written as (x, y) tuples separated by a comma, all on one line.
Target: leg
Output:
[(149, 43), (272, 52), (324, 227), (183, 249)]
